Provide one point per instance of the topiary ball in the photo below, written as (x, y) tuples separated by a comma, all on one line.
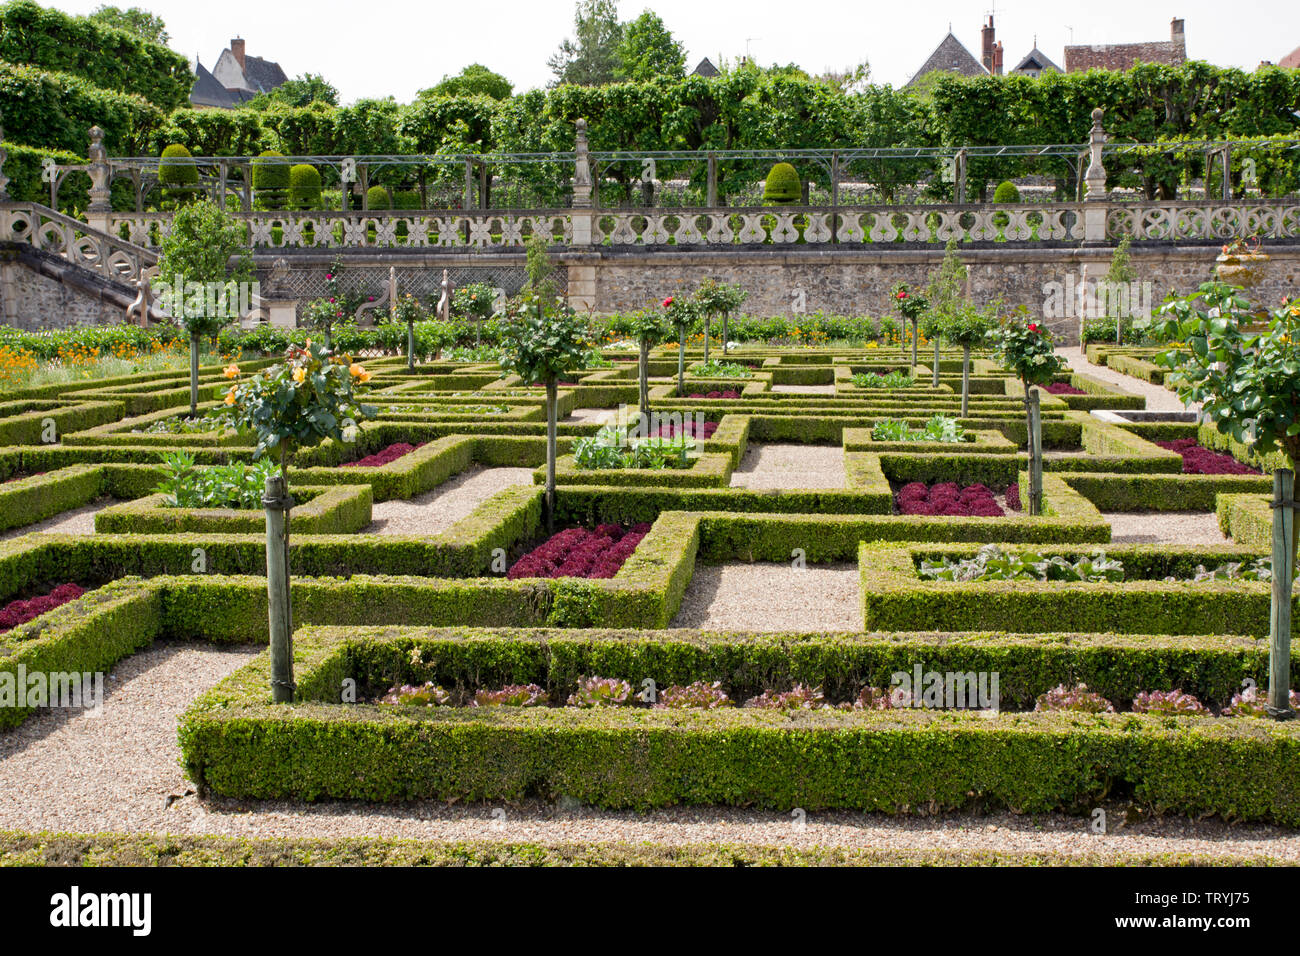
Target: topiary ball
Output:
[(269, 171), (304, 186), (173, 171), (377, 198), (1006, 192), (782, 187)]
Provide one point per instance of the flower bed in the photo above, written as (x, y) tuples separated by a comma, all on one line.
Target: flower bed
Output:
[(687, 428), (385, 457), (580, 553), (1064, 388), (1198, 460), (729, 393), (1013, 497), (946, 498), (20, 612)]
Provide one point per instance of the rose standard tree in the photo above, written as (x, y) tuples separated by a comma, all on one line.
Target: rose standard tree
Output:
[(298, 403), (681, 315), (968, 327), (717, 298), (1026, 349), (1248, 383), (205, 245), (541, 340), (648, 327), (911, 305)]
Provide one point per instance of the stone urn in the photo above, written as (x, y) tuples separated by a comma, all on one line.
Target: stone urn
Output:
[(1245, 269)]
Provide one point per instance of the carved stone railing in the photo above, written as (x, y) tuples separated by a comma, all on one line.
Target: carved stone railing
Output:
[(1174, 221), (73, 240), (311, 230), (718, 227)]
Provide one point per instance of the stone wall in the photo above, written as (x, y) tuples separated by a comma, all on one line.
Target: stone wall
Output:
[(39, 291), (853, 281)]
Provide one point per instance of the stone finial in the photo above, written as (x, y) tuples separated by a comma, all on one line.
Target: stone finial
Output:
[(100, 173), (444, 301), (1095, 178), (581, 167), (276, 287)]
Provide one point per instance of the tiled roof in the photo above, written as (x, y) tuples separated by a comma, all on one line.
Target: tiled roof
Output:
[(951, 56)]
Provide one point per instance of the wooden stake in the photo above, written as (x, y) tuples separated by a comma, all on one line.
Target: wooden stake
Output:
[(1035, 451), (1279, 624), (276, 501)]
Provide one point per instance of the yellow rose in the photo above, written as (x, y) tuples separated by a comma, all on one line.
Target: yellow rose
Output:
[(299, 374)]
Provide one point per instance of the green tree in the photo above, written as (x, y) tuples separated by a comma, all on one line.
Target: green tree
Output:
[(647, 50), (137, 22), (205, 245), (474, 80), (591, 57), (648, 327), (1120, 273), (968, 327), (1026, 349), (1248, 384), (541, 340), (302, 90)]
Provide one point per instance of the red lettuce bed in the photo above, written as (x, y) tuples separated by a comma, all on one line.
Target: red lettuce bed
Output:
[(946, 499), (687, 428), (1202, 461), (729, 393), (387, 456), (1064, 388), (20, 612), (580, 553)]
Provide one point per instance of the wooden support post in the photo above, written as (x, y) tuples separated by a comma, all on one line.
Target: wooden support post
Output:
[(194, 374), (552, 392), (935, 379), (1279, 622), (1035, 451), (276, 501), (711, 195)]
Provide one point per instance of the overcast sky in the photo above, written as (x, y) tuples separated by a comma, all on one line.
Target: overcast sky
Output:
[(397, 47)]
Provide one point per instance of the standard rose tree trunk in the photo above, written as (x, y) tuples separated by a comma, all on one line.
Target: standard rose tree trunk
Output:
[(194, 375), (965, 381), (1284, 557), (551, 394), (643, 376)]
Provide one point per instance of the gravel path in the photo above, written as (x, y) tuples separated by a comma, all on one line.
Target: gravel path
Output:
[(805, 389), (77, 521), (582, 416), (435, 511), (772, 597), (790, 466), (1165, 527), (1159, 398), (119, 772)]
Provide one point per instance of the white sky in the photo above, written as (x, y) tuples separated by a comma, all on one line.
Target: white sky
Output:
[(396, 47)]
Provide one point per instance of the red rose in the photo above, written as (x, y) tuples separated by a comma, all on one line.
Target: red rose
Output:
[(1033, 326), (668, 301), (901, 295)]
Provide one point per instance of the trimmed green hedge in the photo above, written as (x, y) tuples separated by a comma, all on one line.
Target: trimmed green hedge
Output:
[(1160, 492), (340, 509), (895, 597), (235, 744)]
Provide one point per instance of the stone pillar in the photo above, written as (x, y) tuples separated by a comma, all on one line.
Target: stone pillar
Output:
[(582, 275), (4, 180), (1094, 213), (281, 313), (100, 171), (582, 282)]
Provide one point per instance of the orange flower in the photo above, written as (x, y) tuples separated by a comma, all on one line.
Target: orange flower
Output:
[(359, 373), (231, 371), (230, 397)]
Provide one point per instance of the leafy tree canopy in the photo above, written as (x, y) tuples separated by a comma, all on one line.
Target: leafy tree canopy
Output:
[(134, 20), (303, 90), (591, 56), (474, 80), (647, 50)]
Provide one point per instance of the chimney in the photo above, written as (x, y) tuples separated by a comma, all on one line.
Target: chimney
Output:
[(986, 53), (237, 48), (1176, 30), (997, 59)]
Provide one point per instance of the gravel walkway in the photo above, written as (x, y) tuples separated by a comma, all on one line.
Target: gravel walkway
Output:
[(582, 416), (77, 521), (790, 466), (119, 772), (1159, 398), (435, 511), (1165, 527), (804, 389), (772, 597)]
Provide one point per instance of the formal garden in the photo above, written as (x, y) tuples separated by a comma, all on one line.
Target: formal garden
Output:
[(528, 558), (663, 469)]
